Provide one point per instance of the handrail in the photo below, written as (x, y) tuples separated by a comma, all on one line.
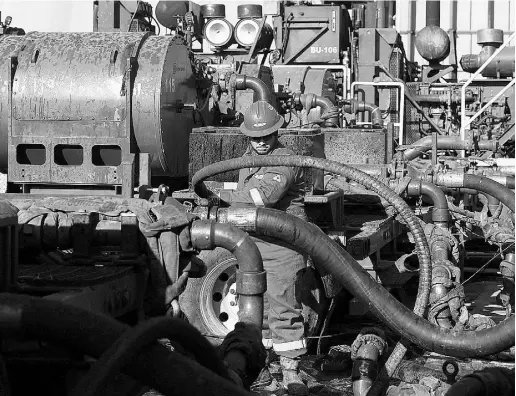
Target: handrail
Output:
[(463, 122), (401, 86)]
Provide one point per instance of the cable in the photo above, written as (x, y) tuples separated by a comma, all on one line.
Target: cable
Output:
[(132, 16), (132, 341), (486, 264), (157, 25)]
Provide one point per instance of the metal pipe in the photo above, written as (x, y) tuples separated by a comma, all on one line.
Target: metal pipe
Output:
[(251, 282), (440, 213), (241, 81), (442, 98), (490, 14), (433, 13), (310, 101), (93, 334), (354, 106), (365, 369), (393, 83), (421, 146), (464, 122)]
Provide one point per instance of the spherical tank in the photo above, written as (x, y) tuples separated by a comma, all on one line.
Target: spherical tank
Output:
[(433, 44), (167, 12), (74, 86)]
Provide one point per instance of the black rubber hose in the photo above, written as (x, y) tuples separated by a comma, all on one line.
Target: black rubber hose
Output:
[(93, 334), (440, 212), (335, 260), (250, 278), (492, 381), (488, 186), (258, 86), (130, 344), (422, 249), (421, 146)]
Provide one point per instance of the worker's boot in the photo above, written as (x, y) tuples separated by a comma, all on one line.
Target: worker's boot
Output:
[(291, 380)]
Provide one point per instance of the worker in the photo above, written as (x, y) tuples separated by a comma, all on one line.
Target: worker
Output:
[(282, 188)]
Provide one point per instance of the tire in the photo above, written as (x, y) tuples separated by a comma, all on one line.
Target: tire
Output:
[(210, 306)]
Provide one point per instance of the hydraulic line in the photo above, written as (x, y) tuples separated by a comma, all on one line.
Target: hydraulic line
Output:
[(381, 189), (474, 182), (93, 334), (423, 145), (329, 255), (250, 278), (491, 187)]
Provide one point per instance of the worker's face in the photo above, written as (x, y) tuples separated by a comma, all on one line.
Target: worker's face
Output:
[(265, 144)]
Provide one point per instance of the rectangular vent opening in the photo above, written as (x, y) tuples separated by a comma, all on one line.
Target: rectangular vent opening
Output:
[(31, 154), (106, 155), (68, 154)]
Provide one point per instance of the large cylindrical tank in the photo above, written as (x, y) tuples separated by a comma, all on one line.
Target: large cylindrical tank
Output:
[(73, 85)]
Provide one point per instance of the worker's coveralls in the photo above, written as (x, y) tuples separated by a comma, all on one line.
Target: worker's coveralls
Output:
[(280, 188)]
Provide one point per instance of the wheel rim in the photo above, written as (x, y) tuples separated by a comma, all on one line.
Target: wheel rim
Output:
[(218, 300)]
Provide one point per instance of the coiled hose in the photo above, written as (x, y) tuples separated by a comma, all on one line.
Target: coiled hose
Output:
[(93, 334), (130, 344), (362, 178)]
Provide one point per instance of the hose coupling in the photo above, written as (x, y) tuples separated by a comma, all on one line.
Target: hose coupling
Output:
[(365, 351)]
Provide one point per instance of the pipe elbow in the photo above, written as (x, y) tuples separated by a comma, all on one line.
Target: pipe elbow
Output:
[(241, 82), (251, 278), (374, 111)]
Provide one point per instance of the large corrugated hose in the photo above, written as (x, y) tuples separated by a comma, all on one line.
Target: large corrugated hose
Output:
[(422, 249), (337, 261), (93, 334)]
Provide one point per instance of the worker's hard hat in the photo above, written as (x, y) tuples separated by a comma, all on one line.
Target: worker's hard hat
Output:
[(261, 119)]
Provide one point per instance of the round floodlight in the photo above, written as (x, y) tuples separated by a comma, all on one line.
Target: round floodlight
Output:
[(246, 31), (218, 32)]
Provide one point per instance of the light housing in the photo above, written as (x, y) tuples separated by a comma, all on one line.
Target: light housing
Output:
[(246, 31), (218, 32)]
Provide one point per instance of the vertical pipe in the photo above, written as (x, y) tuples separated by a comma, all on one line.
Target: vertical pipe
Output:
[(433, 13), (391, 11), (490, 14), (96, 16), (412, 23), (453, 38), (381, 17)]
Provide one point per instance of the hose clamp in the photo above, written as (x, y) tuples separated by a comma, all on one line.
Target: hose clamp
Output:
[(449, 179), (251, 283)]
